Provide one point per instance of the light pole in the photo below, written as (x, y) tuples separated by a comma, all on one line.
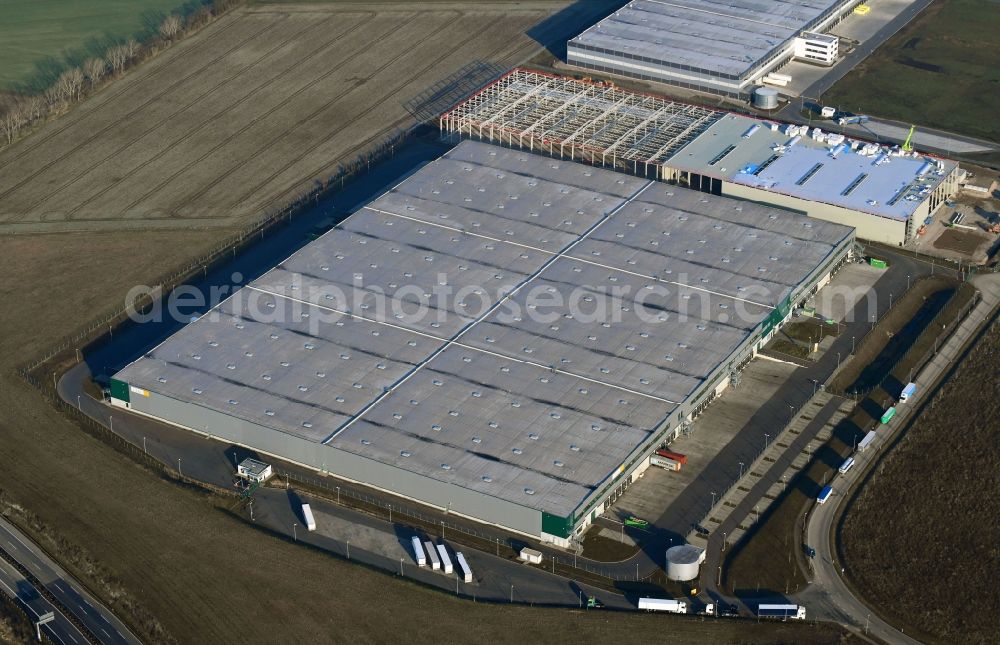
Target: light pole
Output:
[(401, 566), (144, 445), (766, 437), (78, 406), (710, 508), (852, 345), (741, 470), (295, 532), (338, 494), (907, 282), (348, 549), (390, 513), (179, 472), (838, 360), (512, 594)]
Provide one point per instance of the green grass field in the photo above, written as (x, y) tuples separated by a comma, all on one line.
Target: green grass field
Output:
[(939, 71), (39, 38)]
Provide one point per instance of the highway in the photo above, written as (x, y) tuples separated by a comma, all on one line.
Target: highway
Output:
[(15, 585), (86, 610)]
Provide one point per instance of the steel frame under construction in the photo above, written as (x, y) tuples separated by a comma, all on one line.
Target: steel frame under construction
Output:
[(581, 120)]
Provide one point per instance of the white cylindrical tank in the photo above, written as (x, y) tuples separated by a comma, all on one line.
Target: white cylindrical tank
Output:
[(765, 98), (683, 561)]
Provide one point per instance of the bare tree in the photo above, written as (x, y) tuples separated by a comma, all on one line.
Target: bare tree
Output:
[(170, 26), (117, 57), (68, 85), (74, 82), (12, 121), (94, 68), (34, 107), (132, 48), (53, 95)]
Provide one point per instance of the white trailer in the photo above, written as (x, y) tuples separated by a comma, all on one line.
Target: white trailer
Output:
[(867, 441), (418, 552), (463, 567), (780, 77), (797, 612), (432, 554), (660, 604), (307, 515), (445, 559)]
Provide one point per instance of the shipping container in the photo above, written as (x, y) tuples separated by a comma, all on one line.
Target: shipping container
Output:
[(418, 552), (797, 612), (867, 441), (307, 515), (663, 462), (824, 495), (432, 554), (660, 604), (669, 454), (908, 392), (445, 559), (463, 567)]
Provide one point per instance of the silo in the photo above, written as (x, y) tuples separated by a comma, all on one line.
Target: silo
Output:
[(683, 561), (765, 98)]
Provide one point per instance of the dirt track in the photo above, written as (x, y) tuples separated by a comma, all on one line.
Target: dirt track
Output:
[(250, 112)]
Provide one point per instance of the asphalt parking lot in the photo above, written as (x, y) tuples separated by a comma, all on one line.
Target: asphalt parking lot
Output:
[(722, 437)]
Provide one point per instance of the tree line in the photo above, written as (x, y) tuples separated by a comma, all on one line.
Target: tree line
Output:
[(76, 83)]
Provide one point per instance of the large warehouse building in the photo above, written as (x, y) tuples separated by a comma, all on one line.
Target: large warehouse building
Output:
[(502, 335), (883, 194), (717, 46)]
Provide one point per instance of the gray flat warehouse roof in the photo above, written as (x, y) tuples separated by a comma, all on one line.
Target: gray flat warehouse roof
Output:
[(513, 324), (724, 37)]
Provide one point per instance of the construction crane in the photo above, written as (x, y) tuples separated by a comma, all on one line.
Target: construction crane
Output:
[(907, 145)]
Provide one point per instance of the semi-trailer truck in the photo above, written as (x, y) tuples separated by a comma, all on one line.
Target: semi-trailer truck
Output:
[(307, 516), (661, 604), (445, 559), (418, 552), (463, 567), (908, 392), (432, 554), (798, 612)]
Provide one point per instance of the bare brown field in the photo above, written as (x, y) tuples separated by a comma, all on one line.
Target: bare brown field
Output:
[(920, 540), (251, 111)]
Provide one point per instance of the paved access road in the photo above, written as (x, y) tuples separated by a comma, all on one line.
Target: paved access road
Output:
[(828, 593), (87, 610)]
